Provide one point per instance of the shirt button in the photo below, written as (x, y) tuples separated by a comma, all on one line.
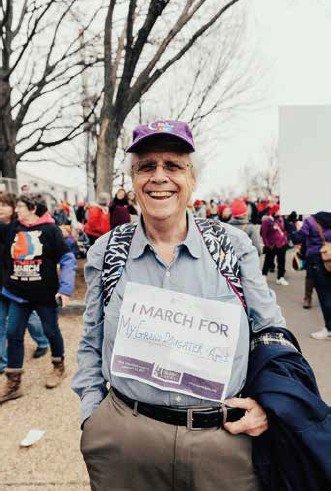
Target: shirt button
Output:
[(168, 274)]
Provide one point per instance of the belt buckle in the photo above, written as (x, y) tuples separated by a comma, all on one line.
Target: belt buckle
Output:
[(190, 417)]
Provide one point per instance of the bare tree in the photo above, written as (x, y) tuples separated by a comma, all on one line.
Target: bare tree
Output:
[(136, 57), (40, 68), (262, 182)]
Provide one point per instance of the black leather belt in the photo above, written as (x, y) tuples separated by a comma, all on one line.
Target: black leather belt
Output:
[(198, 418)]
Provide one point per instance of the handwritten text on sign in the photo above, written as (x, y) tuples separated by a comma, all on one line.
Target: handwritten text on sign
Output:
[(175, 341)]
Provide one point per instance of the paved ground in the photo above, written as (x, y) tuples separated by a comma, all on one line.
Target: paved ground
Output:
[(54, 463)]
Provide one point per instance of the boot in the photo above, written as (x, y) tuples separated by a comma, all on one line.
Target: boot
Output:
[(306, 303), (57, 374), (308, 289), (12, 387)]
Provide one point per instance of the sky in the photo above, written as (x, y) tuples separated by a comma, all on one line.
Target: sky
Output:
[(291, 39)]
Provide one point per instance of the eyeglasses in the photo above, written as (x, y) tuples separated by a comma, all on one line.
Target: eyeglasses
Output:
[(148, 168)]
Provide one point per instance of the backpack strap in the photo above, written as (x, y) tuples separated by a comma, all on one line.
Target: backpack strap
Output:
[(115, 258), (214, 236), (222, 252)]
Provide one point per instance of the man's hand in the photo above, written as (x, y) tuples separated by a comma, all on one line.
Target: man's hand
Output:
[(253, 423), (64, 298)]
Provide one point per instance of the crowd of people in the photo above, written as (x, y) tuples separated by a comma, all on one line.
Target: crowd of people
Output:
[(86, 222), (272, 234)]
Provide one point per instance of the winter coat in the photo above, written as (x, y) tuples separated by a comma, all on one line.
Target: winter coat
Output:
[(98, 221), (119, 212), (294, 453), (273, 232), (310, 235)]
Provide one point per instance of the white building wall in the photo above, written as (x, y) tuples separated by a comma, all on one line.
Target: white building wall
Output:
[(54, 192)]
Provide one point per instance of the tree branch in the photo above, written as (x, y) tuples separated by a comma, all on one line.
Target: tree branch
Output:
[(24, 11), (73, 133), (141, 86), (30, 36), (108, 82), (52, 43), (116, 62), (41, 84), (133, 53), (183, 19)]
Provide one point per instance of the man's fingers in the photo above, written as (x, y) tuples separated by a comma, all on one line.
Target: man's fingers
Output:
[(245, 403), (253, 423), (236, 427), (242, 426)]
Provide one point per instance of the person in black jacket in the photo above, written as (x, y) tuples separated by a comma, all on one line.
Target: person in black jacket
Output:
[(33, 246), (7, 215)]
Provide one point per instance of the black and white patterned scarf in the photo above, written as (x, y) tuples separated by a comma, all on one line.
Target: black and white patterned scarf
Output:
[(214, 236)]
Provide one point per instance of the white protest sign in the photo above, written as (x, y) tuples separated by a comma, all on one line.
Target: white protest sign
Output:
[(305, 159), (175, 341)]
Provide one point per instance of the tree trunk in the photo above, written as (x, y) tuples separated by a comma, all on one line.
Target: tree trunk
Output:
[(8, 162), (106, 150), (8, 158)]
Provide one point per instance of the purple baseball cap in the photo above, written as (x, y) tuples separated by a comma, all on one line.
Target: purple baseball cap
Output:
[(157, 129)]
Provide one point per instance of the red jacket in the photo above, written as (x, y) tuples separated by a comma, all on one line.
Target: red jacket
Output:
[(98, 222)]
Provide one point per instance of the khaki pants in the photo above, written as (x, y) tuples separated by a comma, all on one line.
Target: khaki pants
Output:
[(123, 451)]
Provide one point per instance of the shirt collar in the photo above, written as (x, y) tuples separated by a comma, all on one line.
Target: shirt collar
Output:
[(192, 241)]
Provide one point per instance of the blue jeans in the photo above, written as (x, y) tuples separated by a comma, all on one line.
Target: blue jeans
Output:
[(35, 329), (4, 303), (18, 316)]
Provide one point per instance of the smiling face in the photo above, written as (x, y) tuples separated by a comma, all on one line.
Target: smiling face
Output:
[(163, 183)]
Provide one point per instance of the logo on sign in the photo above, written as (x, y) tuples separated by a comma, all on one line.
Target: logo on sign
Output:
[(168, 375)]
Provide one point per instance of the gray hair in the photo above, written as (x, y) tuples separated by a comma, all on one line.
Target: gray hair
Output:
[(196, 162), (103, 199)]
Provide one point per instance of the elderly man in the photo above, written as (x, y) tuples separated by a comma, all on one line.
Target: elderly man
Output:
[(170, 308)]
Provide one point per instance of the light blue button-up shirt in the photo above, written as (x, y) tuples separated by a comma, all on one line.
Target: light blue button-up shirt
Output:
[(192, 271)]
